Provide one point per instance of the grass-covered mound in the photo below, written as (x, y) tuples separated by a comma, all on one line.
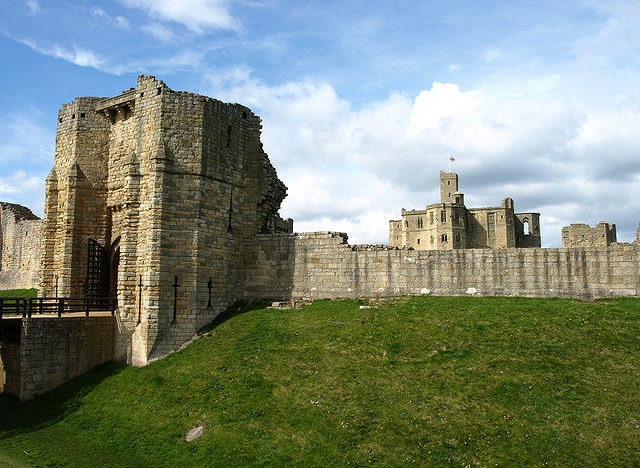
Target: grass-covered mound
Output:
[(19, 293), (424, 380)]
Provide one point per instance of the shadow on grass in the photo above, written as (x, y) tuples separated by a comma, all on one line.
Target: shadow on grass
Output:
[(236, 309), (51, 407)]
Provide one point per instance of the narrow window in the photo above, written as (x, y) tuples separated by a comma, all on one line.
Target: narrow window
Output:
[(457, 237), (444, 238), (82, 115), (73, 116), (431, 217), (418, 241), (457, 199), (431, 240), (443, 216)]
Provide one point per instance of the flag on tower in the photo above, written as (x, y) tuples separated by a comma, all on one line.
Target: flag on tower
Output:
[(451, 158)]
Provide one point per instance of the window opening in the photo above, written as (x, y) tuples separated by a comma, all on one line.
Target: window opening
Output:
[(443, 216)]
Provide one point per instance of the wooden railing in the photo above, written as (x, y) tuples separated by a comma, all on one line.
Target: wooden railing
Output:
[(29, 306)]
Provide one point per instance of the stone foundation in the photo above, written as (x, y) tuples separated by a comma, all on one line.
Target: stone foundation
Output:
[(53, 351)]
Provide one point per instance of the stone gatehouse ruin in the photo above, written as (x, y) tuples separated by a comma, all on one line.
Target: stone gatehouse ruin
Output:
[(451, 225), (156, 197), (166, 201)]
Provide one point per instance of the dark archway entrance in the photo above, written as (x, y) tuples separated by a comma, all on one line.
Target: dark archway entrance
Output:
[(114, 264)]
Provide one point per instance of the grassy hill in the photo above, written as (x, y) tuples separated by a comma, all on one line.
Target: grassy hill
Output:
[(419, 380)]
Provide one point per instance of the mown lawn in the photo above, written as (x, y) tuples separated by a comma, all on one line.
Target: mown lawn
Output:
[(19, 293), (459, 381)]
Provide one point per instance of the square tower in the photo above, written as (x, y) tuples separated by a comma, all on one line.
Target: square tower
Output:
[(448, 186)]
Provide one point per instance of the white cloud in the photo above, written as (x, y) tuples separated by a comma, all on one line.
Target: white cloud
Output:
[(33, 6), (119, 21), (491, 55), (159, 31), (23, 139), (196, 15), (356, 169), (75, 55), (453, 67), (24, 189)]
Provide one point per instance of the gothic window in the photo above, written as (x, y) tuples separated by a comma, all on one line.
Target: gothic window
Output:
[(444, 238)]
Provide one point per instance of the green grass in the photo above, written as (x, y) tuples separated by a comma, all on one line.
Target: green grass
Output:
[(436, 380), (19, 293)]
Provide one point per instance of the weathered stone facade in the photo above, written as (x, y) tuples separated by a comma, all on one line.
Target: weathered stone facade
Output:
[(582, 235), (20, 247), (451, 225), (323, 265), (173, 186), (51, 351)]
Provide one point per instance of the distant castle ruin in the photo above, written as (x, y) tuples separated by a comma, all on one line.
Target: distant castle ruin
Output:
[(451, 225), (166, 202), (582, 235)]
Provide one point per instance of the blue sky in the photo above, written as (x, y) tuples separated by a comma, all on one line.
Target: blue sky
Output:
[(362, 102)]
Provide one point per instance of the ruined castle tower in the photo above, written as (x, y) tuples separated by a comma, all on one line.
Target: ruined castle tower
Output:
[(451, 225), (156, 197)]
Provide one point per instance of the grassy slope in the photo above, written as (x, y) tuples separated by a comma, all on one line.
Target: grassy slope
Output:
[(486, 381), (19, 293)]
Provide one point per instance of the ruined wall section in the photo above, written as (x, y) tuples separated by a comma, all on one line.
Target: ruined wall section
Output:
[(214, 189), (323, 265), (582, 235), (75, 204), (20, 247), (137, 158)]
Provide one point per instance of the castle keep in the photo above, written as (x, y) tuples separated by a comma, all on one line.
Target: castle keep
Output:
[(155, 198), (451, 225)]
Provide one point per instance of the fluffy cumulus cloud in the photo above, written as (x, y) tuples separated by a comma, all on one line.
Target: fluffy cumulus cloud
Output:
[(197, 15), (354, 169)]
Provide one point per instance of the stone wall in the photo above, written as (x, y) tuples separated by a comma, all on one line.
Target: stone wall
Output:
[(53, 351), (582, 235), (174, 186), (20, 247), (324, 265)]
